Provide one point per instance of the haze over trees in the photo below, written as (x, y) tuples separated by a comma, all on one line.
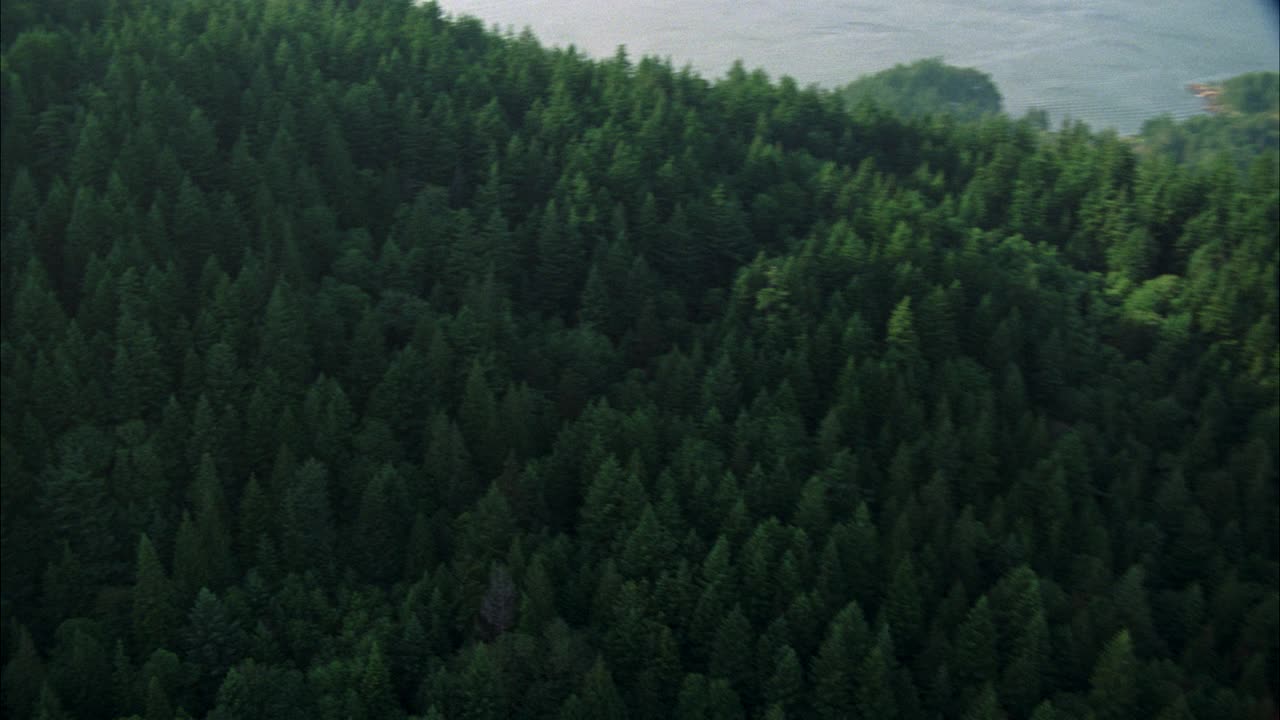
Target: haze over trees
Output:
[(1246, 124), (359, 362), (927, 86)]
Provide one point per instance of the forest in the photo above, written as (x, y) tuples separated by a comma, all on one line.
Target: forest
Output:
[(360, 362), (1246, 124), (924, 87)]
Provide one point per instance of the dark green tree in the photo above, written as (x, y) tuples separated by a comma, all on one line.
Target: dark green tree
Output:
[(308, 531), (1114, 682), (24, 676), (213, 641), (155, 615)]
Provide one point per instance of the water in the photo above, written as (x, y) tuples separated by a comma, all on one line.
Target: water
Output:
[(1111, 63)]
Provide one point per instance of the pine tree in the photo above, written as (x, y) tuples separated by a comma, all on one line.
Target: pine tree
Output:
[(479, 422), (676, 252), (693, 698), (378, 535), (154, 614), (213, 640), (873, 693), (722, 702), (23, 677), (23, 203), (138, 376), (656, 688), (481, 691), (1114, 681), (726, 240), (975, 661), (91, 161), (903, 608), (561, 259), (538, 604), (255, 519), (420, 552), (447, 464), (731, 650), (595, 304), (308, 517), (600, 698), (1045, 711), (902, 343), (375, 687), (74, 494), (158, 706), (214, 538), (600, 513), (648, 547), (80, 668), (284, 347), (124, 679), (785, 687), (984, 706), (1022, 637), (191, 568)]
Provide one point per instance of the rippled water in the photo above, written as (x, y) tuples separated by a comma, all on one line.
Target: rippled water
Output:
[(1110, 63)]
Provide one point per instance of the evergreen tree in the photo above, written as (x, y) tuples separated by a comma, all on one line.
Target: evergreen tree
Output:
[(785, 687), (731, 650), (191, 567), (375, 687), (479, 422), (79, 669), (481, 692), (377, 535), (648, 547), (873, 693), (837, 660), (213, 640), (24, 677), (984, 706), (600, 698), (1114, 686), (308, 521), (902, 608), (158, 706), (154, 613)]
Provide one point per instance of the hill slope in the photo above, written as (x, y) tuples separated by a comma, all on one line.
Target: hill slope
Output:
[(358, 362)]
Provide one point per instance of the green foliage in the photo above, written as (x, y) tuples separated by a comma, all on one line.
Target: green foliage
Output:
[(1256, 92), (1244, 129), (1114, 691), (155, 614), (359, 362), (24, 676), (924, 87)]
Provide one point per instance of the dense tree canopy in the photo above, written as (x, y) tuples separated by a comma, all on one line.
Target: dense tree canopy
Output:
[(359, 362)]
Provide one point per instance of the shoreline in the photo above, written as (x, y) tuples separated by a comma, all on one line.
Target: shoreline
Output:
[(1210, 94)]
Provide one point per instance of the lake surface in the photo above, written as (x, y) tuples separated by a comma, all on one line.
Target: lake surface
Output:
[(1111, 63)]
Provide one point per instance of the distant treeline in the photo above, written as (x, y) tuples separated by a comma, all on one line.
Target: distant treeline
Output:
[(926, 86), (1246, 124)]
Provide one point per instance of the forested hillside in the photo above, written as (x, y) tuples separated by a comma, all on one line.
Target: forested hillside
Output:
[(359, 362)]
